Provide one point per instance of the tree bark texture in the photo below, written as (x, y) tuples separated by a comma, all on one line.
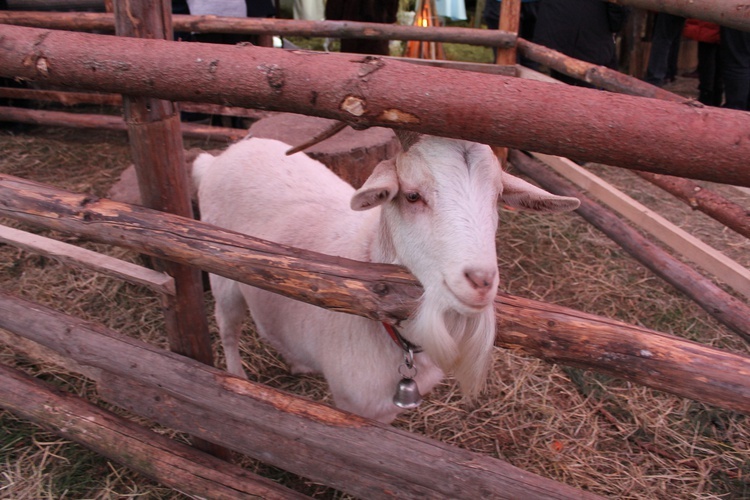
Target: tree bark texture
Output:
[(389, 293), (362, 457), (679, 139), (167, 462), (658, 360), (725, 308), (85, 21), (706, 201)]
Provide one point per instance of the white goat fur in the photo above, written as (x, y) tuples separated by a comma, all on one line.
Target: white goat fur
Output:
[(446, 238)]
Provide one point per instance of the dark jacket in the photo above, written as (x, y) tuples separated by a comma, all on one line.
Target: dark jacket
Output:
[(582, 29)]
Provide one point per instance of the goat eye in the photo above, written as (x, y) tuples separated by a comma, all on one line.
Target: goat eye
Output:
[(413, 197)]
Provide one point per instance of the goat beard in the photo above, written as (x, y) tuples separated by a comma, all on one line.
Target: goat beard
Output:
[(459, 344)]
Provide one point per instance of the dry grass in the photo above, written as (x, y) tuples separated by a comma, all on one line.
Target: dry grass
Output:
[(590, 431)]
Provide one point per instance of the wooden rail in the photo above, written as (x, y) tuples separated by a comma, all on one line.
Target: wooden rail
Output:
[(171, 463), (725, 308), (389, 293), (84, 21), (366, 91), (356, 455), (733, 13), (109, 122)]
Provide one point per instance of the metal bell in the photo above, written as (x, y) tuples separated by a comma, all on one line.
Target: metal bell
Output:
[(407, 394)]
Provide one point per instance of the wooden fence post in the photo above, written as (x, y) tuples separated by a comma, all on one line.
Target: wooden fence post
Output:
[(510, 21), (158, 154)]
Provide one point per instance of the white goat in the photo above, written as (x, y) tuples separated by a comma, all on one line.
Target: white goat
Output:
[(432, 209)]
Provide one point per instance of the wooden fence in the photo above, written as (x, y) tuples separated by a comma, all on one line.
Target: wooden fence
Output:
[(303, 437)]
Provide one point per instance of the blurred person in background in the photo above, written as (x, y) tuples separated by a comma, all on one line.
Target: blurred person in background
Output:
[(366, 11), (665, 48), (735, 63), (710, 81), (583, 29)]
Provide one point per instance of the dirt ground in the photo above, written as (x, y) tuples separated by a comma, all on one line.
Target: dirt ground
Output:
[(597, 433)]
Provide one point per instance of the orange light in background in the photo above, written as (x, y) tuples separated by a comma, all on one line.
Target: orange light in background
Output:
[(426, 17)]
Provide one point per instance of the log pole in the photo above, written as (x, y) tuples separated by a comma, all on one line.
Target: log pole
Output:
[(725, 308), (697, 197), (168, 462), (158, 155), (109, 122), (732, 13), (356, 455), (84, 21), (711, 143), (389, 293), (510, 21), (115, 100), (157, 152), (598, 76)]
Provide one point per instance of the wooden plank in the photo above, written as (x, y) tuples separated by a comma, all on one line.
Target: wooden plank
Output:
[(697, 197), (38, 353), (690, 247), (492, 69), (362, 457), (709, 202), (72, 98), (168, 462), (83, 258), (725, 308)]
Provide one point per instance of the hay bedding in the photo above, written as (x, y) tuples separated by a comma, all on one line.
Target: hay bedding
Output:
[(584, 429)]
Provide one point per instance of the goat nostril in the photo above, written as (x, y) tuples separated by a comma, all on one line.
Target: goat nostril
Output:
[(480, 279)]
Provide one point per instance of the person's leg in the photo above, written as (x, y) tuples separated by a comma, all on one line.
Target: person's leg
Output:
[(662, 41), (707, 72), (735, 61), (675, 26), (526, 29)]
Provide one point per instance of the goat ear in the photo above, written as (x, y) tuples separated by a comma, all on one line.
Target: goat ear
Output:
[(518, 193), (380, 187), (407, 138)]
